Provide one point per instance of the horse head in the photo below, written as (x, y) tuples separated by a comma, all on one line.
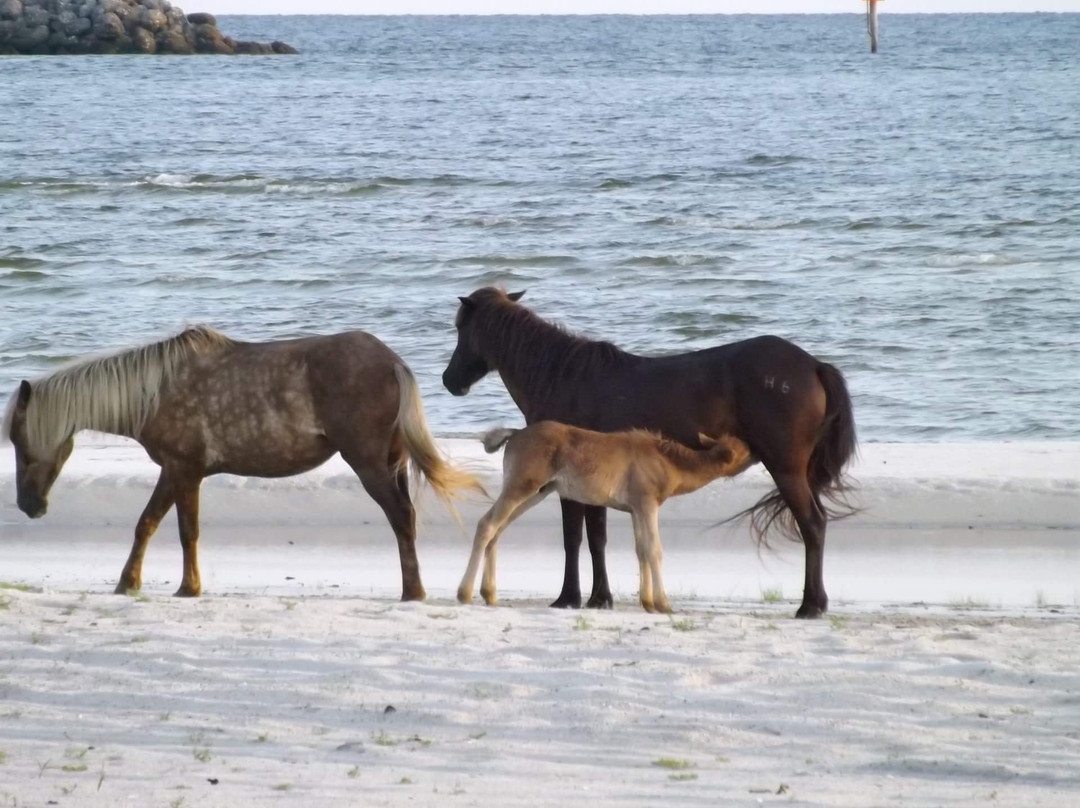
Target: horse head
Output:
[(36, 469), (468, 364)]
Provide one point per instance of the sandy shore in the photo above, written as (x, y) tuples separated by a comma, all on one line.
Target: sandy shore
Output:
[(947, 673)]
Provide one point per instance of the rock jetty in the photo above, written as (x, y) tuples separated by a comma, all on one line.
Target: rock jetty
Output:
[(114, 26)]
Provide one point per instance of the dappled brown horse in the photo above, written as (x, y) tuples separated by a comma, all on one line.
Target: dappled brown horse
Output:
[(635, 471), (791, 409), (202, 404)]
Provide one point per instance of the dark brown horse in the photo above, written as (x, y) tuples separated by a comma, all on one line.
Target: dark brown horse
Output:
[(791, 409), (202, 404)]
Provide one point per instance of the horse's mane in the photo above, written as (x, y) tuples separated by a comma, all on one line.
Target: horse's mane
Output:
[(115, 393), (542, 352)]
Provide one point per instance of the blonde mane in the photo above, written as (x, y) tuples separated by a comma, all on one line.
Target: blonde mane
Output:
[(114, 393)]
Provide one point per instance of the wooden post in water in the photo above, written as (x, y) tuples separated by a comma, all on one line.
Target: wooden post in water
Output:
[(871, 23)]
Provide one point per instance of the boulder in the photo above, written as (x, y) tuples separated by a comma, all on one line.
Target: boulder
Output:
[(110, 28), (280, 47), (143, 40), (153, 19), (208, 39), (173, 40), (201, 18), (11, 9), (33, 16)]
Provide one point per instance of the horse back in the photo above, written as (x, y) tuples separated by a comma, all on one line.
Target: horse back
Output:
[(740, 388)]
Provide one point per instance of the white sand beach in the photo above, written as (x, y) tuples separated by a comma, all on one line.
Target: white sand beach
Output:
[(947, 672)]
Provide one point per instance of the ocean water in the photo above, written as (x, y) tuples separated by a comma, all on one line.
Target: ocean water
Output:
[(667, 183)]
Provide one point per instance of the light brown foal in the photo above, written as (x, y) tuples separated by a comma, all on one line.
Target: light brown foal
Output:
[(632, 471)]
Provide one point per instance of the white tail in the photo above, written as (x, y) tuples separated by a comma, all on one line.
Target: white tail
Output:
[(445, 478)]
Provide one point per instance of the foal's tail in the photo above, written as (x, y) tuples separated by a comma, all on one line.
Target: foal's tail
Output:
[(446, 479), (494, 439)]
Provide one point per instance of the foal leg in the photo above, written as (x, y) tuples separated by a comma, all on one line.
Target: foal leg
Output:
[(573, 517), (490, 525), (186, 492), (654, 553), (160, 502), (641, 550), (487, 584), (596, 528), (795, 489)]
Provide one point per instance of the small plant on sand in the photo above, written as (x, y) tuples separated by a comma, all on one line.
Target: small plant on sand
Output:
[(282, 787), (581, 624), (773, 594), (201, 753), (685, 624), (37, 638), (354, 772), (683, 776), (289, 604), (405, 781), (382, 739), (837, 622), (74, 767), (177, 803), (263, 738), (16, 587), (672, 763), (5, 603), (3, 757)]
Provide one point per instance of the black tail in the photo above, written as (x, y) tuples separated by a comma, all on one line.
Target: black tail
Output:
[(836, 445)]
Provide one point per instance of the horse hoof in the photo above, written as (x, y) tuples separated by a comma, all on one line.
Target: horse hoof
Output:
[(184, 592), (601, 602), (415, 595), (809, 611), (464, 597), (126, 589), (567, 602)]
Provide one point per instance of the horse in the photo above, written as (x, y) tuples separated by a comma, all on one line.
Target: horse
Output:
[(635, 471), (201, 403), (791, 409)]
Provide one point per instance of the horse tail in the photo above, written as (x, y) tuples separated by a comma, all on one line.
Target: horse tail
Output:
[(447, 480), (834, 446), (494, 440)]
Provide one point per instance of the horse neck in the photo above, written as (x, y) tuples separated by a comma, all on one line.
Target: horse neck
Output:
[(694, 468), (113, 394), (536, 358)]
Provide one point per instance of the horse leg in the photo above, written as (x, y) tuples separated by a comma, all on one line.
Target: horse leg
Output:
[(487, 529), (487, 584), (795, 489), (186, 492), (160, 502), (596, 528), (654, 553), (573, 517), (641, 550), (390, 491)]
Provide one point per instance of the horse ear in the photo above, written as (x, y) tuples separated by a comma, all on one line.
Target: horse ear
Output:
[(467, 302), (516, 296), (24, 395)]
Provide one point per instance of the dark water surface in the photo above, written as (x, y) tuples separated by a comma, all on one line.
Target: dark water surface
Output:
[(668, 183)]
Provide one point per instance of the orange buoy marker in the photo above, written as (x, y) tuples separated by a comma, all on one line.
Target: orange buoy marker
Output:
[(871, 23)]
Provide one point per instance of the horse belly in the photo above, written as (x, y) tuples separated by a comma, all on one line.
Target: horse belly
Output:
[(588, 491)]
